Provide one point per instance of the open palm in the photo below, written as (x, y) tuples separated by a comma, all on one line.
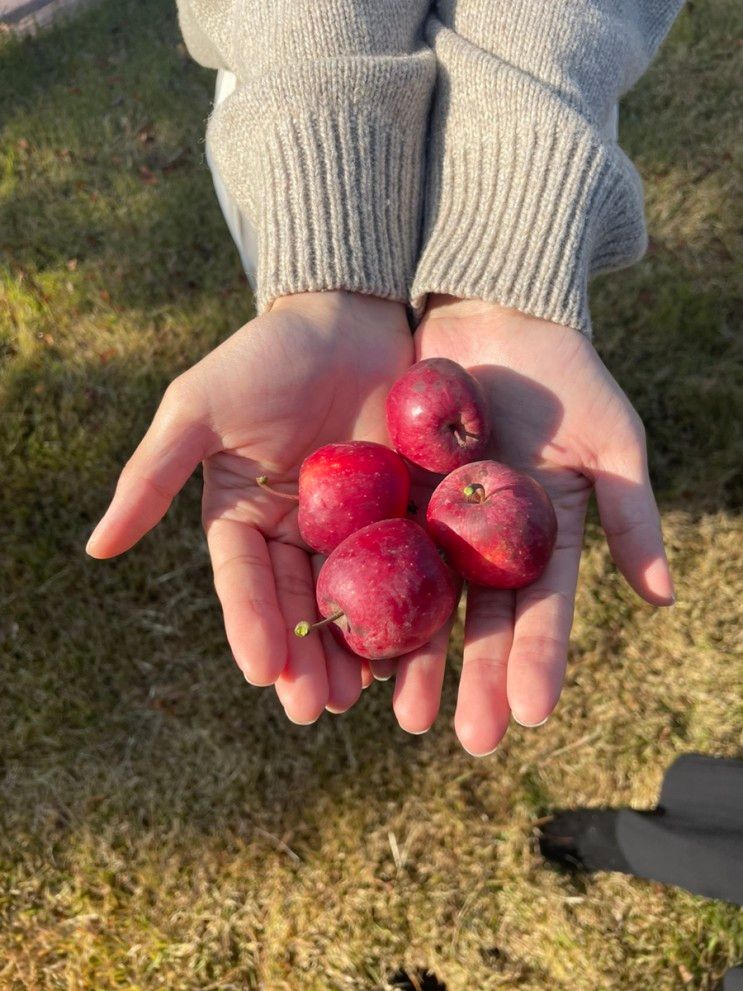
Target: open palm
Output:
[(558, 415), (316, 369)]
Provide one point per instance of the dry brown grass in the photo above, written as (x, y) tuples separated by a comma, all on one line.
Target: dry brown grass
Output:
[(162, 826)]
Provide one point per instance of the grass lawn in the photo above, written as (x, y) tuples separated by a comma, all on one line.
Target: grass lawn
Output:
[(161, 825)]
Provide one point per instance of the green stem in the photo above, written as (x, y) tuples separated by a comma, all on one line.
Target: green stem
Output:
[(304, 627), (262, 480), (474, 492)]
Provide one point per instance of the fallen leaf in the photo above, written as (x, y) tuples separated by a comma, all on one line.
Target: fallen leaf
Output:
[(180, 159), (148, 176), (146, 134)]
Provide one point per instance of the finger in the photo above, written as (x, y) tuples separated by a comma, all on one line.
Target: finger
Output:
[(366, 676), (243, 579), (344, 675), (168, 454), (543, 618), (631, 521), (342, 666), (482, 712), (302, 686), (384, 669), (420, 675)]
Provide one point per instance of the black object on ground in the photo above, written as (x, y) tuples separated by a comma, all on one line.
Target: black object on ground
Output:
[(693, 839)]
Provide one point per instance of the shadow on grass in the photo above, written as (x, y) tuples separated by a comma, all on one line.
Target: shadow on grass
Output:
[(123, 709), (123, 713), (420, 980), (105, 125), (137, 698), (103, 143)]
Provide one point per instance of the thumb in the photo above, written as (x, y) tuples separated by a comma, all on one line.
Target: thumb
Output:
[(631, 521), (177, 440)]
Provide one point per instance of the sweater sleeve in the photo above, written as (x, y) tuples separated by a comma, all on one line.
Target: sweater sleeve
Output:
[(528, 193), (322, 144)]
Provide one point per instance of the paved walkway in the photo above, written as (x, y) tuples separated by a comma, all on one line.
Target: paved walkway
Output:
[(27, 16)]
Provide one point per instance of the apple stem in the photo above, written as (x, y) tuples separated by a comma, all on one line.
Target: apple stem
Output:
[(474, 492), (462, 434), (262, 480), (304, 628)]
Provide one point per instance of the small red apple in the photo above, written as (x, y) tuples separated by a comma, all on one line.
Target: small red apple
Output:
[(385, 590), (344, 487), (497, 526), (437, 416)]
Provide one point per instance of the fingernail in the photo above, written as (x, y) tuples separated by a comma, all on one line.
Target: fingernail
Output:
[(659, 580), (296, 722), (379, 678), (487, 753), (97, 530), (666, 605), (528, 725), (91, 540)]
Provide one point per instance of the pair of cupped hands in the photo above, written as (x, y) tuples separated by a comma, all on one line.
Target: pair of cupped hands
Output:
[(316, 369)]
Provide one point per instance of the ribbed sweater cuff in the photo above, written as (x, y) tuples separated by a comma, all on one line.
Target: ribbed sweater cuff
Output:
[(525, 199), (326, 160)]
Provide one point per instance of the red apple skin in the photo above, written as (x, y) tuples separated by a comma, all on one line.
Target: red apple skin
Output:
[(506, 540), (427, 410), (393, 588), (344, 487)]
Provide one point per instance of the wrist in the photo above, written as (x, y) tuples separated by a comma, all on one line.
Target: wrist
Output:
[(339, 307), (473, 324), (479, 311)]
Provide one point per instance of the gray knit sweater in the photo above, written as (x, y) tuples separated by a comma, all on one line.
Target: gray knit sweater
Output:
[(403, 147)]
